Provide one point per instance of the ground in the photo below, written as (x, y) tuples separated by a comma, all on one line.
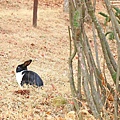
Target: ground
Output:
[(48, 47)]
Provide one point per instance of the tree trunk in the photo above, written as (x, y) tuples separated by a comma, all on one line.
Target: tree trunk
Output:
[(66, 6), (35, 7), (94, 82)]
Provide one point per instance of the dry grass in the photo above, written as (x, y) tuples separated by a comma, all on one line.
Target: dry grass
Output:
[(48, 47)]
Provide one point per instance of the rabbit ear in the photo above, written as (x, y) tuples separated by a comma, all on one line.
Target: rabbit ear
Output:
[(26, 63)]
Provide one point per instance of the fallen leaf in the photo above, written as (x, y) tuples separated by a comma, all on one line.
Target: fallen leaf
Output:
[(22, 92), (70, 116)]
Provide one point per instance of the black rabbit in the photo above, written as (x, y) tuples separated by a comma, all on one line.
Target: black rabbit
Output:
[(25, 76)]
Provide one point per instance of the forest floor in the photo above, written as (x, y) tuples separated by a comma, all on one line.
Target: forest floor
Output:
[(48, 47)]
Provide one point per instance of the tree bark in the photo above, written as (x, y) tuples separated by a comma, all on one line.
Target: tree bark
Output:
[(35, 7)]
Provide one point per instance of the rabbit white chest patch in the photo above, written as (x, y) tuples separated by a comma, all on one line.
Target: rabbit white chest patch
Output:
[(19, 77)]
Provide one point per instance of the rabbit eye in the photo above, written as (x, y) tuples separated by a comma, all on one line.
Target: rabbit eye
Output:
[(18, 67)]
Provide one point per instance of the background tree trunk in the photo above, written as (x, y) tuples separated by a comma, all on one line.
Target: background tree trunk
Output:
[(35, 7), (66, 6)]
